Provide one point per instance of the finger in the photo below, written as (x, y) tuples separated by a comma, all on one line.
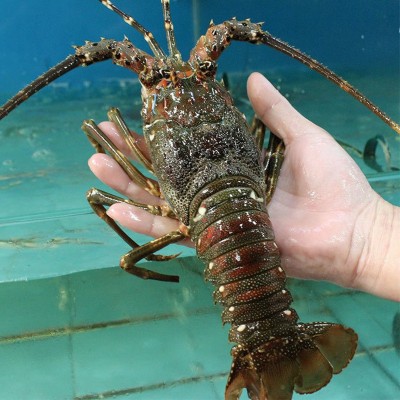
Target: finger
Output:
[(110, 172), (111, 131), (140, 221), (275, 111)]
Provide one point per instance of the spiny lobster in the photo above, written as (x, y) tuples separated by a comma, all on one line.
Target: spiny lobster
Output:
[(210, 170)]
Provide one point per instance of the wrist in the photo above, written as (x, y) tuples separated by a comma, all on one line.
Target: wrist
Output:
[(378, 268)]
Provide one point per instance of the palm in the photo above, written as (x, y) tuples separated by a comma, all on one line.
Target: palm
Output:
[(319, 196)]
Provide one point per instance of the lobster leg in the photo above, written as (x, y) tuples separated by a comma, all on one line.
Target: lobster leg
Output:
[(102, 143), (272, 156), (115, 116), (272, 164), (98, 199), (129, 260)]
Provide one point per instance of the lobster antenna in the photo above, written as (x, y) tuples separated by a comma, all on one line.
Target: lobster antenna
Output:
[(285, 48), (169, 29), (148, 36), (52, 74)]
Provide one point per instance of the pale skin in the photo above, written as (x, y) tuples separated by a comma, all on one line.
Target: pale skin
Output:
[(328, 221)]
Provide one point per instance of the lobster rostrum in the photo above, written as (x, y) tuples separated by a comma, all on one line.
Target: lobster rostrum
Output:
[(217, 180)]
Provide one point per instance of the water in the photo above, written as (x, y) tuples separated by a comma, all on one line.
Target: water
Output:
[(73, 324)]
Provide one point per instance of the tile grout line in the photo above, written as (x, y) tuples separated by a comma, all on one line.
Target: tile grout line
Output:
[(155, 386), (51, 333)]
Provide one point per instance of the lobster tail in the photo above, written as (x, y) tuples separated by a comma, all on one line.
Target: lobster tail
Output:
[(275, 355), (304, 363)]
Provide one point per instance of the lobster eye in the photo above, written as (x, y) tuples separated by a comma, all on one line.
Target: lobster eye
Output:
[(207, 66), (165, 73)]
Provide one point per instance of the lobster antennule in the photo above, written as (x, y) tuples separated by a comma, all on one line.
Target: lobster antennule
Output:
[(304, 363), (169, 28), (148, 36)]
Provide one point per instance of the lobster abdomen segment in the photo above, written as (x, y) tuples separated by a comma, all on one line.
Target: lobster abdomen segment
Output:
[(275, 355), (234, 236)]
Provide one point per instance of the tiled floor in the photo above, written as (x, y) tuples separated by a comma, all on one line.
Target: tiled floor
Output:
[(104, 334)]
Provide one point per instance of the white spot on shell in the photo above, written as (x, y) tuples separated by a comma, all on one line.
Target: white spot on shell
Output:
[(202, 210), (221, 288), (284, 291), (280, 269), (151, 137), (241, 328), (210, 266), (197, 218), (231, 308), (287, 312), (253, 195)]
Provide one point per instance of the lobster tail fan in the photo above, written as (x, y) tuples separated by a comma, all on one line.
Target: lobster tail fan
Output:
[(266, 373), (304, 362), (332, 348), (242, 375), (278, 380), (315, 371), (337, 343)]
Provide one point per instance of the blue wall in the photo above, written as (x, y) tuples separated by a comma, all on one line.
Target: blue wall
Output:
[(341, 33)]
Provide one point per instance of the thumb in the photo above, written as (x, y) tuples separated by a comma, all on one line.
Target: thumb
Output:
[(275, 111)]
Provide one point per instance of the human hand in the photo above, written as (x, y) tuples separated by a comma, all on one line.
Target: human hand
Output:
[(323, 209)]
